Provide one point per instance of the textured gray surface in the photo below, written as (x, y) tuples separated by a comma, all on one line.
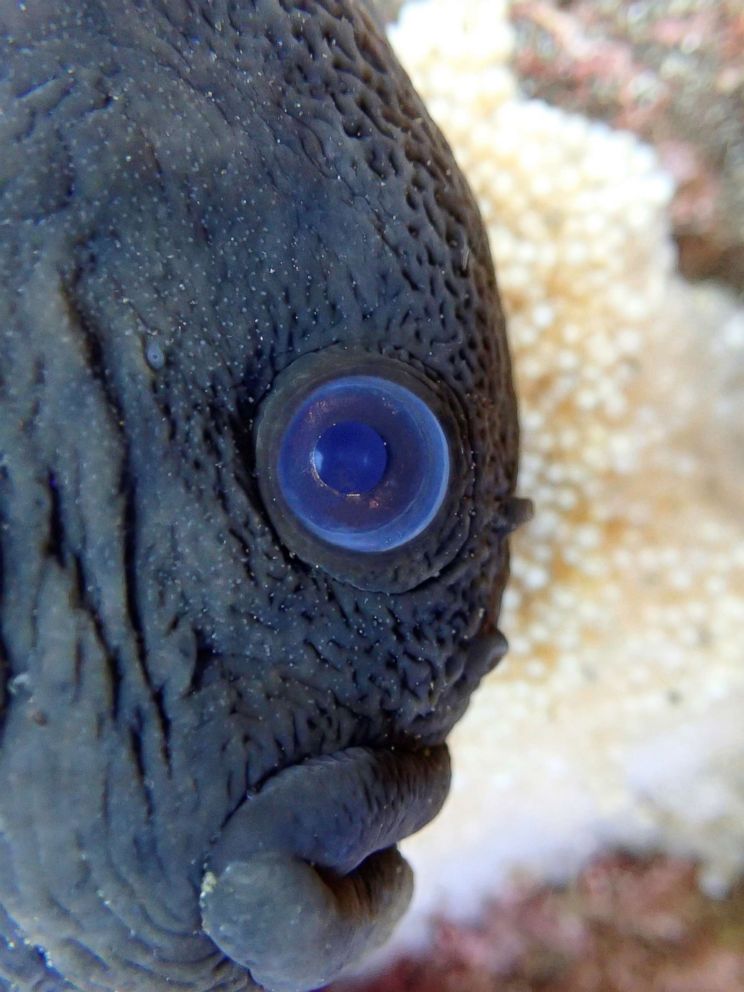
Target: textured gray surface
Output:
[(192, 198)]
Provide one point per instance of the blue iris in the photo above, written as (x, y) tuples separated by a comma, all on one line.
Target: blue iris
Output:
[(363, 463)]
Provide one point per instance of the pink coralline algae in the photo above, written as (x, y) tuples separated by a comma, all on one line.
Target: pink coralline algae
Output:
[(671, 72), (625, 925)]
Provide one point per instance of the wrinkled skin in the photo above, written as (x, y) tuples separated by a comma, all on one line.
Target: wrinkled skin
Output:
[(193, 197)]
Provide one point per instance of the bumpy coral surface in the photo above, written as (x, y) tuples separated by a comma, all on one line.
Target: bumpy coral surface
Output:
[(617, 716)]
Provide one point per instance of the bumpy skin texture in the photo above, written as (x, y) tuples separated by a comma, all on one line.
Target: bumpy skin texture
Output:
[(192, 196)]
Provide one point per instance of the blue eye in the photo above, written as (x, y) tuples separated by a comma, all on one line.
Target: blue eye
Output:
[(363, 463)]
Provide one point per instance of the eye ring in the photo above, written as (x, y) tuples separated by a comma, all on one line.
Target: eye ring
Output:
[(362, 468)]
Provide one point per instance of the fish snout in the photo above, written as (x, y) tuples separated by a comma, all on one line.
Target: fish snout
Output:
[(305, 878)]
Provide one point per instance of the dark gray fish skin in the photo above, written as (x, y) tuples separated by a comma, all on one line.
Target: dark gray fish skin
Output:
[(192, 197)]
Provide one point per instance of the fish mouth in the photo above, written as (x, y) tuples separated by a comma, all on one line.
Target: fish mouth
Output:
[(305, 878)]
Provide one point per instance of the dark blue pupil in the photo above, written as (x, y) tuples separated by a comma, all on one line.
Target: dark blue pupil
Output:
[(350, 457), (363, 463)]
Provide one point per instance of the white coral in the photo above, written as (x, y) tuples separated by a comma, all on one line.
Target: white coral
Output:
[(625, 608)]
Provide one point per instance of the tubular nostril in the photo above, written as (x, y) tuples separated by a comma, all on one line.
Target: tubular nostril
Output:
[(515, 511)]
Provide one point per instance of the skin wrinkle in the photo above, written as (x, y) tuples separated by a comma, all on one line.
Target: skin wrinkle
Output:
[(135, 906), (206, 190)]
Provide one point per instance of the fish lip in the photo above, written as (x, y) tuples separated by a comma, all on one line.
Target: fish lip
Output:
[(403, 773), (316, 844)]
